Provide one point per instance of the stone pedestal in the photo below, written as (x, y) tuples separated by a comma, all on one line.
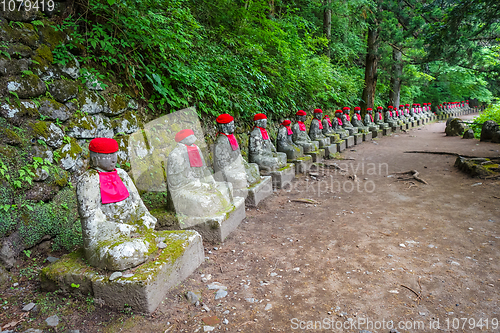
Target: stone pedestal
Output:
[(215, 229), (259, 191), (331, 149), (341, 145), (350, 141), (302, 164), (377, 133), (396, 129), (283, 176), (386, 131), (143, 289), (419, 122), (358, 138), (316, 156), (367, 136)]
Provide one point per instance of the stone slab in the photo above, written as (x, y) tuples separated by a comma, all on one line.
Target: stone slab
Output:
[(330, 150), (303, 164), (283, 177), (377, 133), (367, 136), (316, 156), (259, 191), (396, 129), (350, 141), (341, 145), (358, 138), (147, 285), (387, 131)]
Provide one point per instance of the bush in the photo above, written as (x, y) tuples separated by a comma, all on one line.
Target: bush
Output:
[(492, 112)]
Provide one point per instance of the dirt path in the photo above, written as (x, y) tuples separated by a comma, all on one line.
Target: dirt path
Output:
[(342, 262)]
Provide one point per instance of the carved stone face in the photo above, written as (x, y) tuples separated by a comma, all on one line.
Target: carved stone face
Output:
[(346, 112), (104, 162), (318, 116), (301, 118), (369, 111), (227, 128), (261, 123), (338, 114), (189, 140), (357, 111)]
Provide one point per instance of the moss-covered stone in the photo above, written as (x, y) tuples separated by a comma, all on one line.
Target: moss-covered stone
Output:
[(63, 90), (47, 132), (27, 86), (49, 35), (9, 137), (116, 105), (82, 126), (69, 153)]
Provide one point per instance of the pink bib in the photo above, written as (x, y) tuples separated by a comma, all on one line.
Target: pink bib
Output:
[(112, 187), (358, 116), (380, 115), (371, 117), (302, 126), (329, 121), (263, 132), (320, 124), (289, 130), (339, 121), (348, 117), (194, 156), (232, 140)]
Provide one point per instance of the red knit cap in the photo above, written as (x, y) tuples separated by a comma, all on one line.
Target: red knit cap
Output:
[(259, 116), (301, 113), (346, 108), (356, 108), (224, 118), (401, 106), (103, 145), (379, 108), (181, 135), (390, 107), (286, 122), (369, 109), (338, 111), (318, 111), (407, 104)]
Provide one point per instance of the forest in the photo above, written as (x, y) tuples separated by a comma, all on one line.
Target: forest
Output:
[(278, 56)]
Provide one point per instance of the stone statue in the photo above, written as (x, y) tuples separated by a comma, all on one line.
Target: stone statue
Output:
[(379, 118), (261, 149), (356, 120), (193, 189), (300, 136), (117, 228), (369, 121), (316, 130), (389, 117), (285, 143), (328, 129), (346, 121), (229, 166), (402, 114)]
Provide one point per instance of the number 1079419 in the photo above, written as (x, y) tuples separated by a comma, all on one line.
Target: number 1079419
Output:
[(27, 5)]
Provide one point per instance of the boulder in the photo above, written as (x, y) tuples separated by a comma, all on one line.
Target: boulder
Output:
[(53, 110), (48, 132), (41, 192), (104, 127), (82, 126), (488, 129), (13, 66), (63, 90), (69, 154), (15, 113), (91, 103), (24, 87), (12, 246), (469, 134), (455, 127), (126, 124)]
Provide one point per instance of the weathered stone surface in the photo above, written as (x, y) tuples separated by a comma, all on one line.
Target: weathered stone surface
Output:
[(21, 15), (489, 127), (9, 137), (496, 137), (41, 192), (18, 51), (11, 247), (92, 82), (116, 105), (262, 151), (469, 134), (43, 152), (71, 69), (69, 154), (123, 153), (455, 127), (145, 289), (53, 110), (48, 132), (91, 103), (25, 87), (52, 321), (15, 113), (40, 175), (63, 90), (259, 191), (13, 66), (4, 276), (477, 167), (104, 127), (127, 123), (82, 126)]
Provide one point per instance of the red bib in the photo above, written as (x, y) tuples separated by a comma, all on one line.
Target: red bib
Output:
[(339, 121), (232, 140), (302, 126), (288, 130), (371, 117), (112, 187), (263, 131), (329, 121), (194, 156), (358, 116), (320, 124), (348, 117), (380, 115)]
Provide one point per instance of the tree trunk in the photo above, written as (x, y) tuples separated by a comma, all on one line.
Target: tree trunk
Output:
[(372, 58), (397, 72), (327, 24)]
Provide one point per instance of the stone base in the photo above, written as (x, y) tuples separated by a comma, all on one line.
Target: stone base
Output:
[(330, 150), (396, 129), (303, 164), (358, 138), (259, 191), (316, 156), (283, 176), (419, 122), (386, 131), (377, 133), (341, 145), (367, 136), (144, 289), (349, 141)]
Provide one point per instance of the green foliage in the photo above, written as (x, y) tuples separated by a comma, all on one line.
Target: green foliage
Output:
[(491, 113)]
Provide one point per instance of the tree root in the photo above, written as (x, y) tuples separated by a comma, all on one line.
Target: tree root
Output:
[(414, 175)]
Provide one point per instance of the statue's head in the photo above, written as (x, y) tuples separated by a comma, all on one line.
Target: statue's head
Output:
[(357, 109), (225, 123), (369, 110), (338, 113), (346, 109), (301, 115), (186, 136), (380, 109), (260, 120), (103, 154), (318, 114)]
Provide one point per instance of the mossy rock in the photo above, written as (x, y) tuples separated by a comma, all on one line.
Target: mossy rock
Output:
[(53, 110), (25, 34), (123, 154), (28, 86), (82, 126), (18, 51), (127, 123), (69, 154), (49, 35), (21, 15), (63, 90), (116, 105), (165, 220), (477, 167), (9, 137), (90, 102), (48, 132)]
